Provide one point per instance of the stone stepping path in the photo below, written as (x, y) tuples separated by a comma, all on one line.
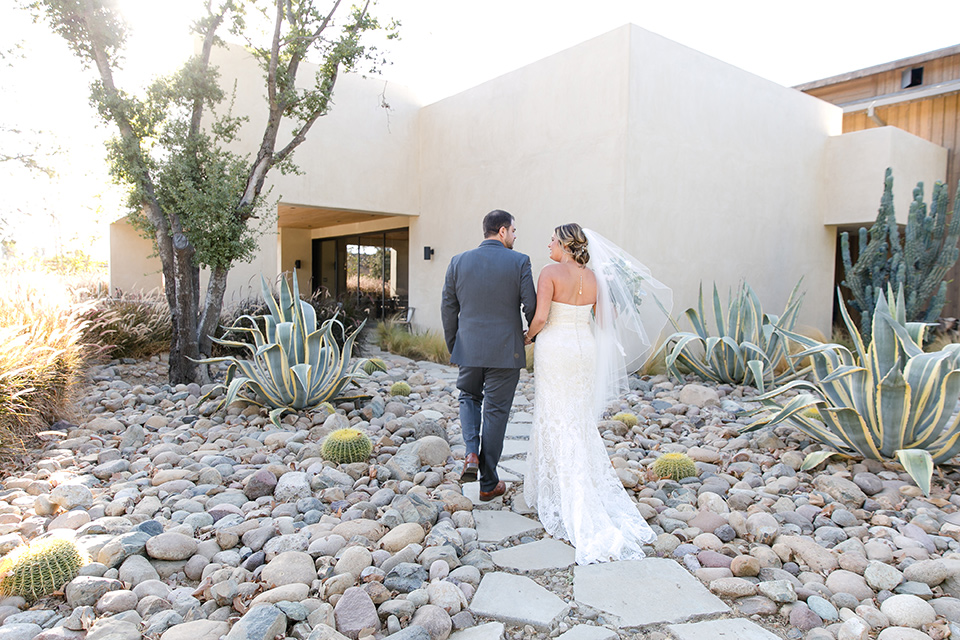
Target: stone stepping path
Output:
[(496, 526), (729, 629), (586, 632), (518, 430), (518, 600), (644, 592), (631, 594), (536, 556), (489, 631)]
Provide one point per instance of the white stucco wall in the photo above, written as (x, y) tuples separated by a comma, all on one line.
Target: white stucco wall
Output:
[(857, 163), (702, 170), (724, 180), (544, 142)]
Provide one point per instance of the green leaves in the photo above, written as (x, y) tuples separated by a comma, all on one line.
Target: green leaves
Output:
[(748, 347), (293, 364), (890, 400)]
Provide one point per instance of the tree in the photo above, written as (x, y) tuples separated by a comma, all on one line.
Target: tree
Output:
[(197, 199)]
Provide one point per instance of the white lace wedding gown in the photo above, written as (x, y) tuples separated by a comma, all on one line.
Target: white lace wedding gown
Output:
[(570, 480)]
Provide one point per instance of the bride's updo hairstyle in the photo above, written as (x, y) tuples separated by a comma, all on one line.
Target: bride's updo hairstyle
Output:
[(572, 239)]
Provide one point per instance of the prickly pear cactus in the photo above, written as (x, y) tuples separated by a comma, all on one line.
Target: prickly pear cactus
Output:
[(346, 445), (40, 568), (400, 389), (374, 364), (675, 466)]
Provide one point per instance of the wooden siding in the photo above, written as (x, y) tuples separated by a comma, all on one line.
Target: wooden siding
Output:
[(936, 119)]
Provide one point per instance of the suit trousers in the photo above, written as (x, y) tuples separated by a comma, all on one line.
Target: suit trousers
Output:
[(488, 391)]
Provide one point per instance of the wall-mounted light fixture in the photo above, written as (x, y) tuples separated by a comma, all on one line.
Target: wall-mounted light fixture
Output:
[(427, 252)]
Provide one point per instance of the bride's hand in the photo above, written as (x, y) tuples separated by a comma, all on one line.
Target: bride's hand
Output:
[(526, 339)]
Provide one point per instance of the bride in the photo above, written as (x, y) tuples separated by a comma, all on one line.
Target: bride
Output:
[(594, 312)]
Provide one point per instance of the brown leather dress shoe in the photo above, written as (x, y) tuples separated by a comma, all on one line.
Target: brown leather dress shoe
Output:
[(471, 467), (499, 490)]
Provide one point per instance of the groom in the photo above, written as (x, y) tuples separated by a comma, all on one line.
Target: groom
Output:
[(482, 298)]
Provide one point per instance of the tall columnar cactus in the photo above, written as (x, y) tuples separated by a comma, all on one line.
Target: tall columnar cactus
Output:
[(40, 568), (918, 263)]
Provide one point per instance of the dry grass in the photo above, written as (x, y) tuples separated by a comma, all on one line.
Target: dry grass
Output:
[(134, 326), (415, 343), (41, 353)]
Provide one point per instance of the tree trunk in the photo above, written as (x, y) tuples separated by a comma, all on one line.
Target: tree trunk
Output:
[(184, 350), (212, 306)]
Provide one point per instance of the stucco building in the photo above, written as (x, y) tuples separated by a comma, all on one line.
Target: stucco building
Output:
[(702, 170)]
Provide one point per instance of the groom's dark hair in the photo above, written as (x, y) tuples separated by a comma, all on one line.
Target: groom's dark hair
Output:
[(494, 220)]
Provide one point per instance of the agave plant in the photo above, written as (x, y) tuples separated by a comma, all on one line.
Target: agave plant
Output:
[(748, 347), (888, 400), (293, 364)]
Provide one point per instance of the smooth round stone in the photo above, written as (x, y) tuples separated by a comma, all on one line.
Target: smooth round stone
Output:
[(171, 546), (949, 608), (353, 560), (289, 567), (745, 566), (733, 587), (19, 631), (823, 608), (434, 619), (842, 581), (804, 618), (869, 483), (882, 576), (757, 605), (908, 611), (902, 633), (117, 601), (929, 572), (402, 535)]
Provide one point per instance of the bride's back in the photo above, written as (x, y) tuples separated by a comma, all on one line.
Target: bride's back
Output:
[(573, 284)]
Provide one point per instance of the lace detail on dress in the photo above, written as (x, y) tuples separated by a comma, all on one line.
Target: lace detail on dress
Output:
[(570, 480)]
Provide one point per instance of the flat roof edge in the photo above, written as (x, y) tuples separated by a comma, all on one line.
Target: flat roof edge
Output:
[(880, 68)]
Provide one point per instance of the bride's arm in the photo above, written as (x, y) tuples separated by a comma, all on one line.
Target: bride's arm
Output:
[(544, 298)]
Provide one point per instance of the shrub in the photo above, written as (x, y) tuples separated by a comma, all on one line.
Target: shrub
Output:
[(346, 445), (888, 400), (400, 389), (132, 326), (414, 344), (293, 364), (40, 568), (675, 466), (748, 346)]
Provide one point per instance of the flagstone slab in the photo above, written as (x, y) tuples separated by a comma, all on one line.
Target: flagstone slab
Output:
[(517, 600), (513, 448), (517, 467), (518, 430), (728, 629), (520, 505), (472, 491), (588, 632), (496, 526), (642, 592), (522, 416), (536, 556), (507, 475), (521, 401), (489, 631)]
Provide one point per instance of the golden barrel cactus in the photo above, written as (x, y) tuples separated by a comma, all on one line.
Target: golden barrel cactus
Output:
[(675, 466), (40, 568), (347, 445)]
